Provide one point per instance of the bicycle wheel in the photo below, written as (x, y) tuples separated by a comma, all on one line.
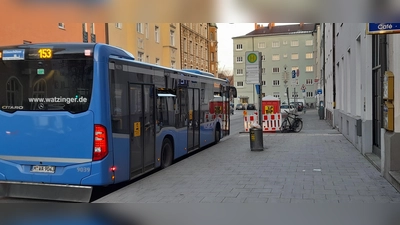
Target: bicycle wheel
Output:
[(285, 126), (298, 125)]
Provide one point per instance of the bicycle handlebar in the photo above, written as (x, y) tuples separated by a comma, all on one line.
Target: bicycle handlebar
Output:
[(291, 113)]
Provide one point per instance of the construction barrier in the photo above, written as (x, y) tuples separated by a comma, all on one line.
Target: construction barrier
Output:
[(270, 123)]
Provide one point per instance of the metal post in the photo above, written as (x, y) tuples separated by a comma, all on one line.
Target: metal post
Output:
[(287, 94), (260, 114), (260, 94)]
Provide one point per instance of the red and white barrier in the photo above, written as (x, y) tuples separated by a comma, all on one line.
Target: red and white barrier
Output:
[(270, 123)]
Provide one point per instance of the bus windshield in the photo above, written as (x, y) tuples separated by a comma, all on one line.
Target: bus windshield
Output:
[(46, 85)]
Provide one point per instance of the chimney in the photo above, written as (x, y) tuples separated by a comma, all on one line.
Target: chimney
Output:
[(255, 26), (301, 25), (271, 25)]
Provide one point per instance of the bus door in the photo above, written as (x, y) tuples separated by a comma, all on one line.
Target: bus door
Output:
[(142, 128), (194, 119)]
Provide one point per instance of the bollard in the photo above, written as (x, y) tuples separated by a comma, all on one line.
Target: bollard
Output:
[(256, 139), (321, 112)]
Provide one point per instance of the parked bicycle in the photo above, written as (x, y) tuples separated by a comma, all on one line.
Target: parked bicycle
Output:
[(292, 123)]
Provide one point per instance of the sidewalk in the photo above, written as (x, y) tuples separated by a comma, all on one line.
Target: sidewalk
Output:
[(316, 165)]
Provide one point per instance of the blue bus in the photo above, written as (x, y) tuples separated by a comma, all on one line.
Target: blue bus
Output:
[(78, 115)]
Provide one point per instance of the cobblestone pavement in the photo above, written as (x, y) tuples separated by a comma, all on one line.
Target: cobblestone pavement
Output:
[(317, 165)]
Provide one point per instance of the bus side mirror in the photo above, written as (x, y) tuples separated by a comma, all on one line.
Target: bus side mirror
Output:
[(233, 92)]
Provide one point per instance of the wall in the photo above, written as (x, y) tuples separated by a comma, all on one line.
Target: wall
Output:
[(353, 80)]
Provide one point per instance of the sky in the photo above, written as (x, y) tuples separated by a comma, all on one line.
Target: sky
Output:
[(225, 43)]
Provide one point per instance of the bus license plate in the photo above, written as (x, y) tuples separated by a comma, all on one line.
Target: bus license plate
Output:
[(43, 169)]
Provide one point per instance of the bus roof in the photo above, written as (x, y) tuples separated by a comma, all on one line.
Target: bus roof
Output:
[(71, 46)]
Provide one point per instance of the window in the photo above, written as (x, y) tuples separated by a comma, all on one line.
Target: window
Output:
[(264, 83), (309, 81), (239, 84), (191, 46), (275, 70), (261, 44), (294, 43), (239, 47), (284, 42), (212, 56), (61, 25), (146, 30), (275, 83), (295, 68), (92, 30), (139, 28), (309, 55), (14, 91), (118, 25), (309, 42), (310, 94), (157, 34), (275, 44), (140, 56), (157, 61), (276, 94), (275, 57), (309, 68), (140, 43), (295, 95), (239, 71), (172, 64), (172, 38), (184, 45), (239, 59), (295, 56)]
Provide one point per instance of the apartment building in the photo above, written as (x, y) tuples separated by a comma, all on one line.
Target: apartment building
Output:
[(195, 46), (354, 67), (156, 43), (45, 31), (213, 46), (284, 49)]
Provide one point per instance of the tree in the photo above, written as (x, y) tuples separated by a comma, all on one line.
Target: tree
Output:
[(226, 74)]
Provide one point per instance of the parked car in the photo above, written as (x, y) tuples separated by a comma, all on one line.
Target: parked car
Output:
[(251, 107), (289, 108), (239, 106), (299, 106)]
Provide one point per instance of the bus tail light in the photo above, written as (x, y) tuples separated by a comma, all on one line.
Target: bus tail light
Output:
[(100, 149)]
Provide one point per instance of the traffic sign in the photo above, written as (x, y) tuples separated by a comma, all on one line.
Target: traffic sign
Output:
[(293, 74), (252, 67), (383, 28)]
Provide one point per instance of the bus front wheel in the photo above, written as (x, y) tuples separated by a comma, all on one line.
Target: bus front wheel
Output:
[(166, 153)]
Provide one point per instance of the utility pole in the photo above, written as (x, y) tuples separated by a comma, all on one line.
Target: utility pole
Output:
[(285, 81)]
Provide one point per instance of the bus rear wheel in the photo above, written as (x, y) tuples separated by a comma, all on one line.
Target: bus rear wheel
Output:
[(166, 153)]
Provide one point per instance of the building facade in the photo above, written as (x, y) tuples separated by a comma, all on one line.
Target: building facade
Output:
[(156, 43), (213, 37), (45, 31), (355, 64), (284, 49), (195, 46)]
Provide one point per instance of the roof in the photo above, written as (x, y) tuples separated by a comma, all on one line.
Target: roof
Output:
[(282, 30)]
